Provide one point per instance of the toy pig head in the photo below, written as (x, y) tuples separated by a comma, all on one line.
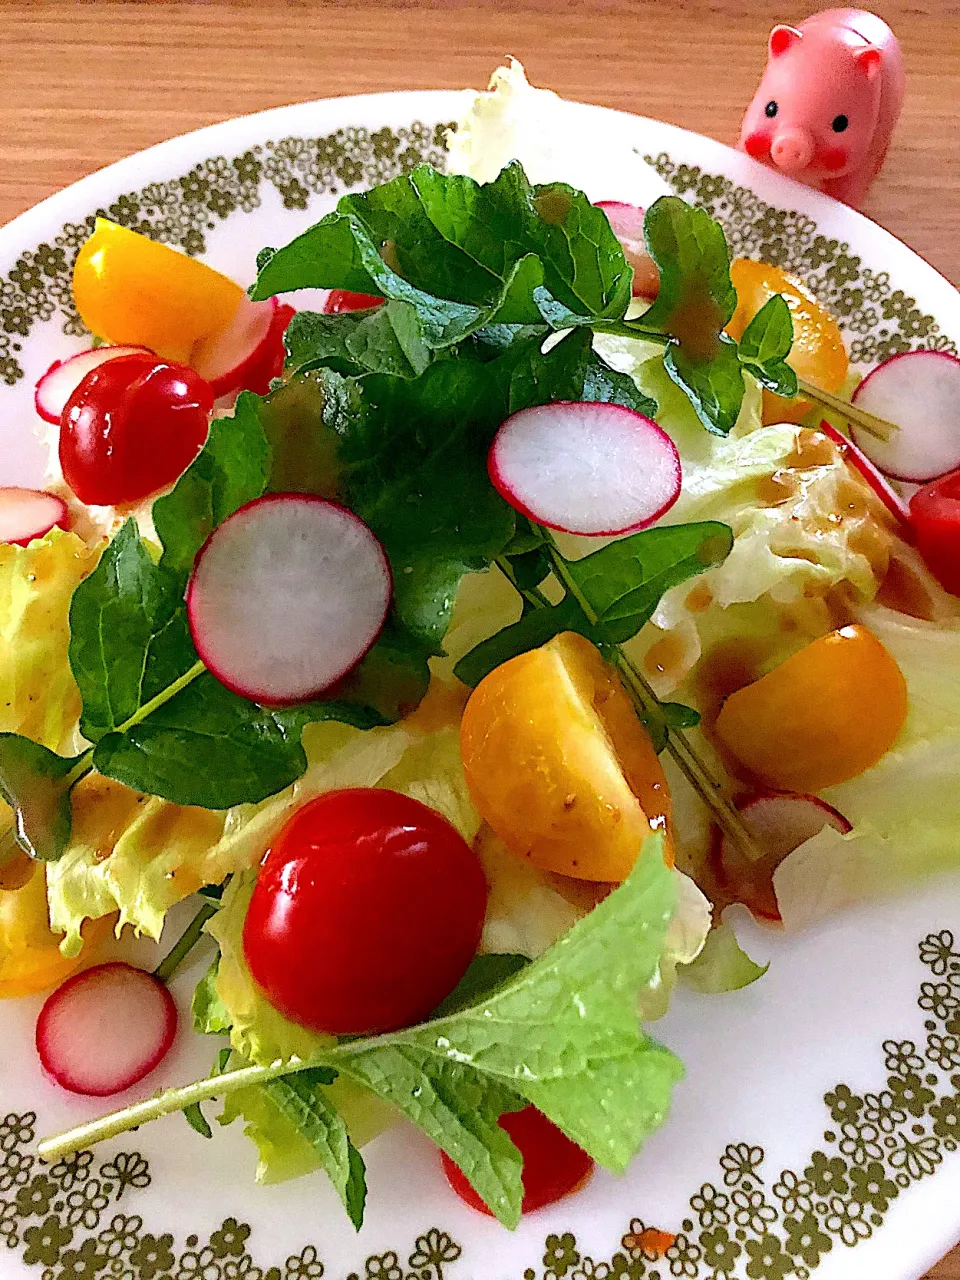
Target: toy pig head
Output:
[(827, 101)]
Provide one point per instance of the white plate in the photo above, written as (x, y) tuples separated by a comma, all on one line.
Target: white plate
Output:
[(817, 1129)]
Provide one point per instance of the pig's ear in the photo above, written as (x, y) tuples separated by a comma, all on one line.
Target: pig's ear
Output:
[(868, 60), (783, 38)]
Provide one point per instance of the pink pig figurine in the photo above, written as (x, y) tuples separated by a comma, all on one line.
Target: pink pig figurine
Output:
[(828, 101)]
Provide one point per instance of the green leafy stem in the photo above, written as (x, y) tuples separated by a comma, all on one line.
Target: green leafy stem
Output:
[(772, 371), (84, 763)]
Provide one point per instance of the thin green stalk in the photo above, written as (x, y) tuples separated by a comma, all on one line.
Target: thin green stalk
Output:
[(691, 766), (879, 428), (163, 696), (163, 1104), (80, 769), (185, 944), (678, 744), (632, 329), (84, 764), (533, 595)]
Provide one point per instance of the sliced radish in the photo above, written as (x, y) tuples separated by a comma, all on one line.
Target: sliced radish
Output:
[(64, 376), (287, 596), (26, 514), (249, 352), (585, 467), (779, 822), (626, 222), (105, 1029), (920, 392), (878, 482)]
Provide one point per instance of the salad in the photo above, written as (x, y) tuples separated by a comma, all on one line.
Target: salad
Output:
[(462, 650)]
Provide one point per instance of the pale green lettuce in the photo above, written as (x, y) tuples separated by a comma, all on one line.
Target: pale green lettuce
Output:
[(686, 936), (260, 1034), (550, 137), (38, 694), (722, 965)]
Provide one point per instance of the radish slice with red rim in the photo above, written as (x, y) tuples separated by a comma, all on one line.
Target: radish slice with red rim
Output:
[(626, 222), (26, 514), (585, 467), (266, 363), (105, 1029), (249, 352), (287, 596), (779, 822), (895, 504), (920, 392), (64, 376)]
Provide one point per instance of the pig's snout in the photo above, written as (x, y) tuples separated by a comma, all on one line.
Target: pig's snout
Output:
[(792, 150)]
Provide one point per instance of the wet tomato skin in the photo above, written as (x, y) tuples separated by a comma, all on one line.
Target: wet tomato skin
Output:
[(132, 427), (935, 512), (340, 300), (366, 913), (553, 1166)]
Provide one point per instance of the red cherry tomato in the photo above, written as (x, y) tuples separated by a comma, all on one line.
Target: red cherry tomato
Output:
[(343, 300), (366, 913), (935, 511), (132, 427), (553, 1166)]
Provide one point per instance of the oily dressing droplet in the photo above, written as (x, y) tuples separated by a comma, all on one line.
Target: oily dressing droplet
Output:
[(552, 206)]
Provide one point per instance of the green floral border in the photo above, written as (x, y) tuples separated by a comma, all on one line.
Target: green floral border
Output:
[(879, 321), (66, 1218), (183, 210)]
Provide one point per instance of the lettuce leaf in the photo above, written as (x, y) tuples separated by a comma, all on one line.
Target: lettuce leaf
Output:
[(38, 694), (228, 1000), (284, 1151), (722, 964), (258, 1032), (684, 941), (39, 699), (140, 857)]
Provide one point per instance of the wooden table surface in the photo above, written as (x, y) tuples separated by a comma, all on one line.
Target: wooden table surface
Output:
[(82, 84)]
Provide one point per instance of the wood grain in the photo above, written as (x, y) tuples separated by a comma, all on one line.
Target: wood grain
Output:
[(82, 84)]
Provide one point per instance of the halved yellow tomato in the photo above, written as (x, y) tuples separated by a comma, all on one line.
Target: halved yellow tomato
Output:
[(559, 765), (30, 959), (132, 291), (825, 715)]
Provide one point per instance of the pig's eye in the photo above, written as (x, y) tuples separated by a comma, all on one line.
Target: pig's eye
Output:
[(771, 110), (839, 123)]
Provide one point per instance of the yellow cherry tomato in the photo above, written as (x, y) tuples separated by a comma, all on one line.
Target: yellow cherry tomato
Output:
[(559, 765), (30, 959), (825, 715), (818, 354), (133, 291)]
